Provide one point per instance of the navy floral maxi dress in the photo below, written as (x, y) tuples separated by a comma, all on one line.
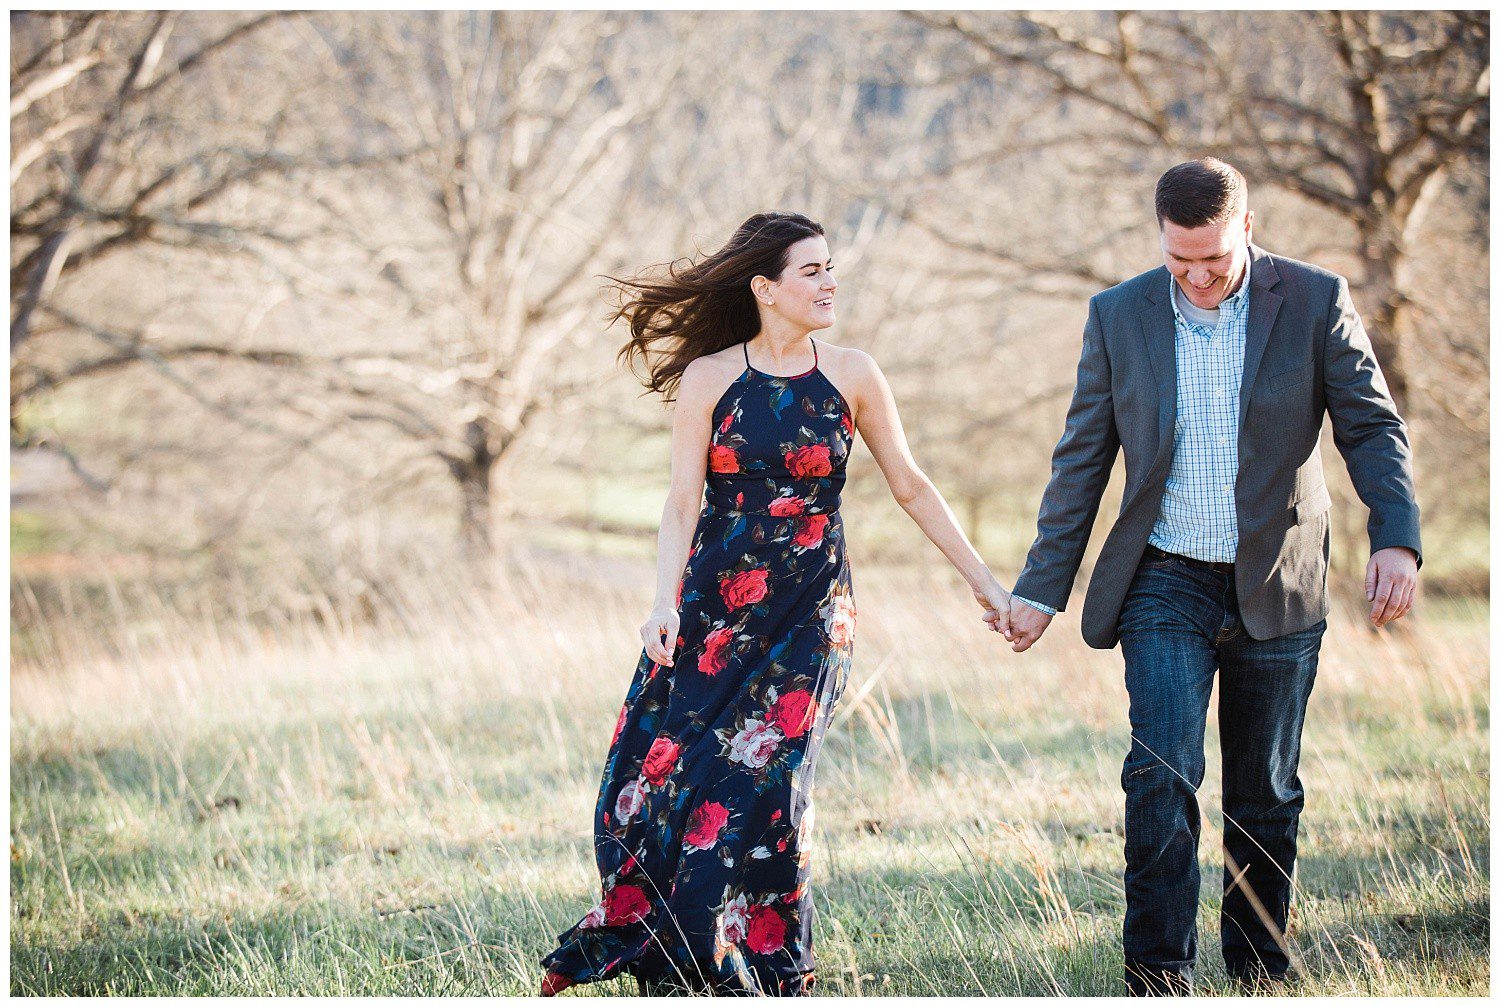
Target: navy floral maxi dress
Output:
[(705, 809)]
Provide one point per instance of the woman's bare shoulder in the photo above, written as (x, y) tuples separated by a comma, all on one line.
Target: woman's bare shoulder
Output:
[(709, 375), (848, 367)]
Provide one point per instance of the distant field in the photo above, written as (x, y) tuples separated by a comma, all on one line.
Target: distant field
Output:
[(201, 806)]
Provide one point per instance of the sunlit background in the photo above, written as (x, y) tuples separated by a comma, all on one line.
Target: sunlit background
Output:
[(332, 514)]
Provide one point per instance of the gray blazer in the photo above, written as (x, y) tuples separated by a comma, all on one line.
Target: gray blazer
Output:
[(1306, 352)]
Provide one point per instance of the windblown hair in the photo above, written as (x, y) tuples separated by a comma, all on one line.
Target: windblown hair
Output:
[(1195, 193), (697, 308)]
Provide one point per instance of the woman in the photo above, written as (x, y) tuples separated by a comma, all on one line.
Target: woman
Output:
[(702, 823)]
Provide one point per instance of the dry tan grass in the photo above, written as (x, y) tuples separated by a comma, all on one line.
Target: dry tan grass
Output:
[(205, 803)]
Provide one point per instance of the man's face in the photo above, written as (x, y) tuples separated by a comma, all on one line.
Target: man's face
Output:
[(1209, 261)]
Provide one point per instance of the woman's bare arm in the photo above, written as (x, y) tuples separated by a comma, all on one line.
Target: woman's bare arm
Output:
[(879, 423), (692, 426)]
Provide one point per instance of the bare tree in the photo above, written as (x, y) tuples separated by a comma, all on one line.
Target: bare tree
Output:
[(533, 134), (122, 144), (88, 91), (479, 178), (1364, 114)]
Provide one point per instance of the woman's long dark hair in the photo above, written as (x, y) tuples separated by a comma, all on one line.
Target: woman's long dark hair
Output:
[(702, 307)]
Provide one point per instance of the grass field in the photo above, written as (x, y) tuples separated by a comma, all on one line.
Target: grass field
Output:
[(202, 805)]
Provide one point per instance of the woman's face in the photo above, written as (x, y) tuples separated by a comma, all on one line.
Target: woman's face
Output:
[(804, 294)]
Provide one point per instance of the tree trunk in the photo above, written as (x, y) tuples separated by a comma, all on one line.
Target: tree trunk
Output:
[(476, 502), (1385, 303), (476, 537)]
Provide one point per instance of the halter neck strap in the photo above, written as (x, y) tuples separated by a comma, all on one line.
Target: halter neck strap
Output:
[(745, 346)]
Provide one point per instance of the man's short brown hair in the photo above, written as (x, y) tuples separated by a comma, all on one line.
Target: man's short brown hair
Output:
[(1199, 192)]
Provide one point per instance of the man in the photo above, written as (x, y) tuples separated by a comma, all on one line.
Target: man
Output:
[(1212, 373)]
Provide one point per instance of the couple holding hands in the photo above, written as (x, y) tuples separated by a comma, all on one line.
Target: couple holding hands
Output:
[(1211, 373)]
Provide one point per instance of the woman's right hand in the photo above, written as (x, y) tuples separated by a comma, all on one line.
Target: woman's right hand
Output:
[(661, 623)]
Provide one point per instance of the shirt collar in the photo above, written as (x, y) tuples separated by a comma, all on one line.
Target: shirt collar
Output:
[(1233, 304)]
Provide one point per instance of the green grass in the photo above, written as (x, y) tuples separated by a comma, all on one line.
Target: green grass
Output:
[(326, 811)]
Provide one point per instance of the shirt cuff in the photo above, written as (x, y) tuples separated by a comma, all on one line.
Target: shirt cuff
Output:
[(1034, 604)]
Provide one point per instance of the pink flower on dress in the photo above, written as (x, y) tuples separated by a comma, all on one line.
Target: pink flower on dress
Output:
[(628, 804), (704, 826), (594, 919), (838, 621), (734, 922), (755, 744)]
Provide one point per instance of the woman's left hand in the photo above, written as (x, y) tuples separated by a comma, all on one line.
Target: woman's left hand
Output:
[(995, 601)]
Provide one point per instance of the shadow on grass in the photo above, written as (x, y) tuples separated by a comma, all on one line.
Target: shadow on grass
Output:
[(980, 927), (907, 931)]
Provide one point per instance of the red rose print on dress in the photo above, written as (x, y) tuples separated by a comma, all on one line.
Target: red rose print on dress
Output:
[(792, 713), (660, 761), (704, 826), (767, 930), (723, 460), (625, 904), (619, 726), (810, 531), (744, 588), (787, 506), (811, 461), (707, 790), (715, 656)]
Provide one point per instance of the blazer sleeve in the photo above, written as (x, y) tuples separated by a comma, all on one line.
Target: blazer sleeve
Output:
[(1081, 464), (1367, 429)]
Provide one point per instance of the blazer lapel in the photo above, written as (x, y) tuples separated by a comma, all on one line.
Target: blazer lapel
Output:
[(1159, 329), (1264, 305)]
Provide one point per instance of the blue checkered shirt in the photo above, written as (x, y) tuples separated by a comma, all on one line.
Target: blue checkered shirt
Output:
[(1198, 516)]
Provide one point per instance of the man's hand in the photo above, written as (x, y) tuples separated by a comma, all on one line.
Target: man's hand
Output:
[(1027, 625), (1390, 584)]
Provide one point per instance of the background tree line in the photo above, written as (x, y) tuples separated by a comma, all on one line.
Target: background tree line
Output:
[(320, 293)]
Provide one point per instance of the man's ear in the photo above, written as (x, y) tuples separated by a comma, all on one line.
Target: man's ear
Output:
[(1249, 225)]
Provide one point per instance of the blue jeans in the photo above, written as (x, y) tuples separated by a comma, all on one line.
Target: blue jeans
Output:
[(1179, 625)]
